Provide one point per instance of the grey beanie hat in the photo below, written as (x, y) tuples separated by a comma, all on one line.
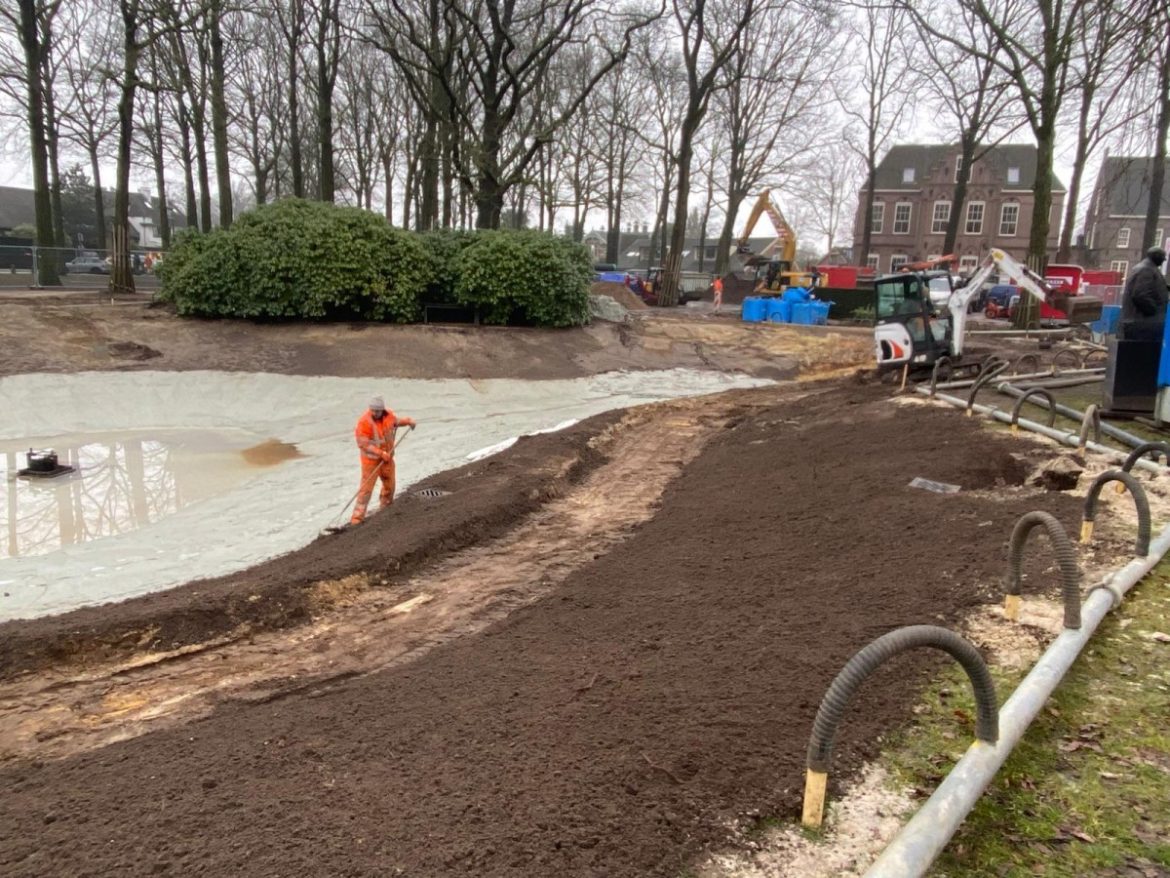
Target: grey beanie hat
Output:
[(376, 403)]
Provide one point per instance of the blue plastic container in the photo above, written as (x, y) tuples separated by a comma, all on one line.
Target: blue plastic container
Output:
[(802, 313), (755, 309), (795, 294), (778, 311), (820, 312)]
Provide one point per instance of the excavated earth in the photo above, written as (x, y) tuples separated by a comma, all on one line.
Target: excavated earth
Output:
[(591, 655)]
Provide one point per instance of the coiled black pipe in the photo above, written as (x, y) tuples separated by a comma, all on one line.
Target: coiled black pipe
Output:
[(1035, 391), (1142, 546), (1093, 353), (1076, 358), (990, 369), (942, 364), (1066, 559), (868, 659), (1157, 448), (1092, 419), (1033, 360)]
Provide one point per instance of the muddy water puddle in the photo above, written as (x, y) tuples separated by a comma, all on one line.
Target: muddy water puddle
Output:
[(120, 482)]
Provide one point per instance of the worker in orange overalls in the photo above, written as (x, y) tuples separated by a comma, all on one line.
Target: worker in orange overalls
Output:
[(718, 288), (375, 438)]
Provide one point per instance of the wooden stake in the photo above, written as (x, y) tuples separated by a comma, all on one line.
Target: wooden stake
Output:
[(815, 783), (1086, 532), (1011, 607)]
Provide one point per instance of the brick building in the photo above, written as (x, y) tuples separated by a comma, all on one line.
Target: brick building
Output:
[(1117, 212), (914, 189)]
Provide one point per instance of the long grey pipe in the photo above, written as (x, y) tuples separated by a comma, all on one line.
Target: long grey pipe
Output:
[(1096, 373), (1108, 429), (1063, 436), (921, 840)]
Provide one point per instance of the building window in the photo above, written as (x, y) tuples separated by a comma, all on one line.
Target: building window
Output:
[(898, 260), (907, 175), (711, 251), (958, 166), (1013, 175), (1122, 238), (1120, 266), (871, 261), (902, 218), (975, 218), (942, 216), (1009, 220), (877, 219), (968, 264)]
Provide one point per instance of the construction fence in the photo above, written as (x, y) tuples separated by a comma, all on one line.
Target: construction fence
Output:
[(71, 268)]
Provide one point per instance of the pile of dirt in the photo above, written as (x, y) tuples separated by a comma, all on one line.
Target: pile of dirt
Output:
[(620, 293), (616, 726), (488, 498)]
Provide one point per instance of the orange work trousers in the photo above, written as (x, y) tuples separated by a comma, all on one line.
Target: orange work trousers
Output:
[(370, 474)]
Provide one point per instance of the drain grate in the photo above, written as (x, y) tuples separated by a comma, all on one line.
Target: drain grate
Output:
[(431, 492)]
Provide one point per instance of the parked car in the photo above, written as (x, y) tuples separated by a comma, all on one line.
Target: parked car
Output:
[(87, 265), (940, 291)]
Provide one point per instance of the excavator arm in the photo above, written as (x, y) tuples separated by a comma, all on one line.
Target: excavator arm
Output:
[(785, 236), (999, 261)]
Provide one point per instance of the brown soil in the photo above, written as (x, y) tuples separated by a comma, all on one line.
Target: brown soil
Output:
[(634, 691), (619, 292), (62, 337)]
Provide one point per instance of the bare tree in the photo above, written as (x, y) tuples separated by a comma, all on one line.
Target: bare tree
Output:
[(829, 184), (1156, 42), (879, 105), (709, 34)]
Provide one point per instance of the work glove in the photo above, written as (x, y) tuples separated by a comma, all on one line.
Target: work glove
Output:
[(387, 456)]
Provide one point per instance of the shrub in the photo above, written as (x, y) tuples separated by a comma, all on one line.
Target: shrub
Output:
[(525, 276), (299, 258)]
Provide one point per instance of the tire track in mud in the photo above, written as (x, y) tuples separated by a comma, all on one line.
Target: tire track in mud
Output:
[(376, 622)]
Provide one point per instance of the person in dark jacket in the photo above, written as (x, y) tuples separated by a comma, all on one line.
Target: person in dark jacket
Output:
[(1143, 303)]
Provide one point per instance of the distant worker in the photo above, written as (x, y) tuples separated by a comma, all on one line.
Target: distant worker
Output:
[(375, 438), (717, 287), (1143, 303)]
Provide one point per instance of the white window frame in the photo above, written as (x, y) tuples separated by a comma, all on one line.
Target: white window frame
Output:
[(938, 225), (873, 260), (908, 175), (879, 208), (1013, 176), (959, 164), (897, 260), (1015, 223), (1123, 236), (968, 263), (967, 223), (1120, 266), (909, 205)]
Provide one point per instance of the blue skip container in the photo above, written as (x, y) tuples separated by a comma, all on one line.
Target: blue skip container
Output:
[(755, 309), (802, 313), (779, 311), (820, 312)]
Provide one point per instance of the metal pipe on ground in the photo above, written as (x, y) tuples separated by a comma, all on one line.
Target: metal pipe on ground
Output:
[(1027, 376), (1063, 436), (1022, 333), (1008, 389), (1062, 381), (923, 838)]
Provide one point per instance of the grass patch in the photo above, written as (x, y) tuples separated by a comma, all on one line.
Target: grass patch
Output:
[(1087, 791)]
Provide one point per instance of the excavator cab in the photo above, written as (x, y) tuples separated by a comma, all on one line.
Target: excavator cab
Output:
[(910, 329)]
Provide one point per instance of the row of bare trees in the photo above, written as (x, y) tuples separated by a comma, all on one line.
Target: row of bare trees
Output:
[(507, 112)]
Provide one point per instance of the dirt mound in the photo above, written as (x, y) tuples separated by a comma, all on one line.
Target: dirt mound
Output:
[(622, 294), (613, 728)]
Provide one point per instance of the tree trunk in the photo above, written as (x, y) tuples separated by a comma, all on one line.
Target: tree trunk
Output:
[(668, 291), (862, 257), (199, 124), (188, 165), (99, 201), (121, 277), (294, 111), (1064, 251), (53, 139), (219, 116), (47, 272), (959, 196), (1158, 172), (326, 185), (1041, 200), (428, 178)]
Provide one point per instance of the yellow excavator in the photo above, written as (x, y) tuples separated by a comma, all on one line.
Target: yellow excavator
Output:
[(775, 264)]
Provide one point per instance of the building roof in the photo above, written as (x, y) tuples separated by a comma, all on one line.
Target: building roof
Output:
[(925, 158), (16, 207), (1125, 184)]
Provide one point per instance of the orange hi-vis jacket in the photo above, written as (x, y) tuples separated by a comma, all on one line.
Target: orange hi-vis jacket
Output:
[(374, 438)]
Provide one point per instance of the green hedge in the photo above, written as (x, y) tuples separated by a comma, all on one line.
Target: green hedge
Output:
[(304, 259)]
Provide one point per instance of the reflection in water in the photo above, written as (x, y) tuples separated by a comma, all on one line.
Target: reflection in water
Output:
[(119, 485)]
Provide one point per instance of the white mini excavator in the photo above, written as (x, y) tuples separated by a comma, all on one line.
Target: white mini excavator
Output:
[(912, 330)]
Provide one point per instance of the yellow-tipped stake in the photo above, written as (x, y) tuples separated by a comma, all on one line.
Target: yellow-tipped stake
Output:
[(1011, 607), (815, 783), (1120, 489), (1016, 430), (1086, 532)]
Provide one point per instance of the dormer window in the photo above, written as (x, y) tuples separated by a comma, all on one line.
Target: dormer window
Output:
[(907, 175), (1013, 175)]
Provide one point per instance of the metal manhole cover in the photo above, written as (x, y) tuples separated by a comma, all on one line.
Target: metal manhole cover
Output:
[(431, 492)]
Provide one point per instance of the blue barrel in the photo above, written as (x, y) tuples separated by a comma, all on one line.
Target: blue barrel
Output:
[(777, 311), (820, 312), (755, 309), (802, 313), (796, 294)]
